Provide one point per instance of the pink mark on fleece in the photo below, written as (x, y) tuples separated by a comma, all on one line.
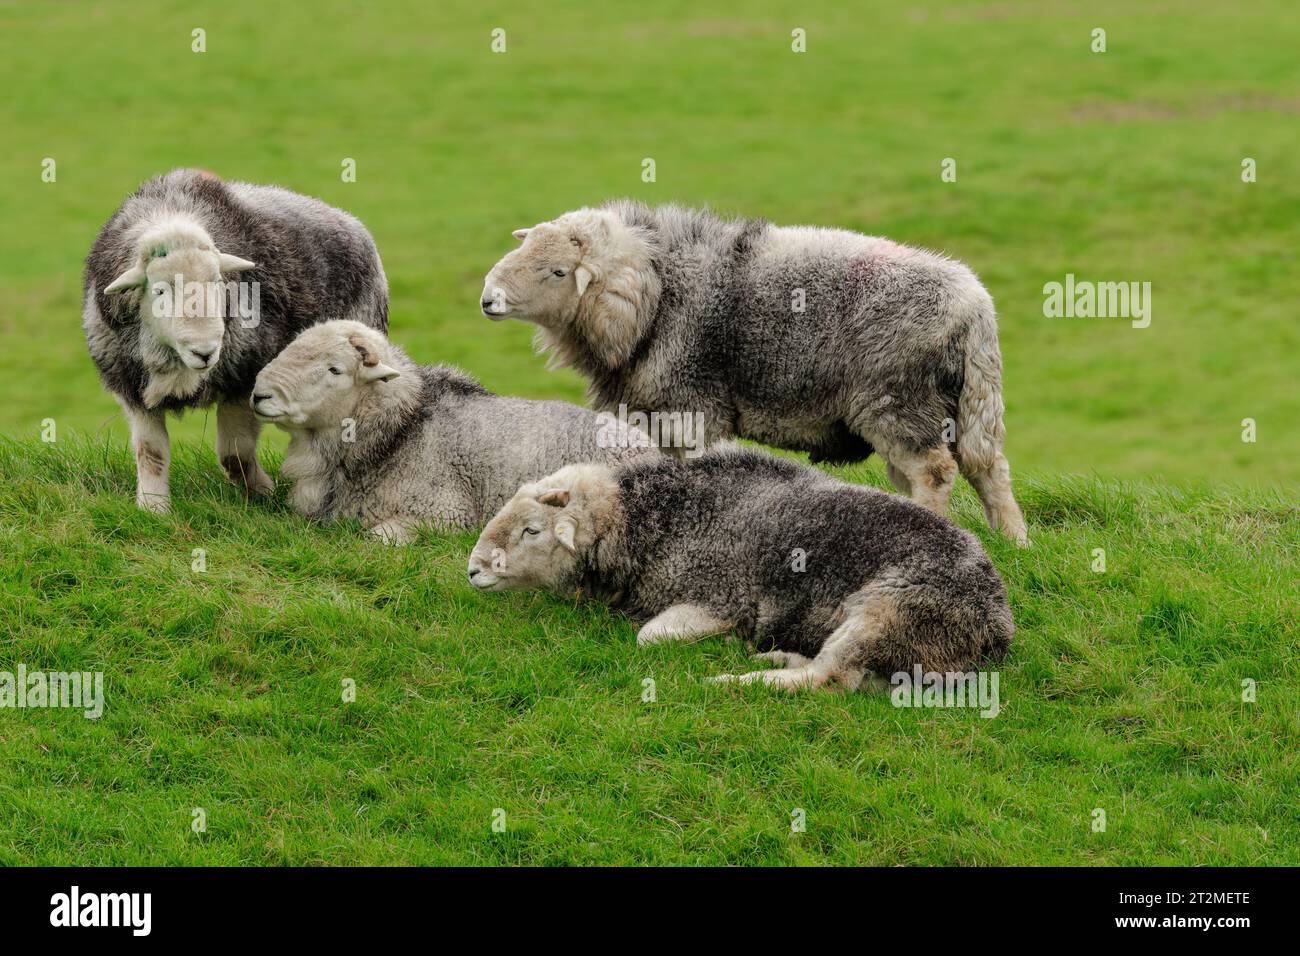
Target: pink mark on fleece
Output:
[(864, 269)]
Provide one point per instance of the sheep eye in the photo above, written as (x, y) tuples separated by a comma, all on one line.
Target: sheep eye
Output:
[(558, 273), (531, 531), (335, 370)]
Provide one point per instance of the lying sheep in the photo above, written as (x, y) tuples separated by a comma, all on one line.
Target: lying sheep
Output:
[(812, 339), (168, 334), (398, 445), (836, 581)]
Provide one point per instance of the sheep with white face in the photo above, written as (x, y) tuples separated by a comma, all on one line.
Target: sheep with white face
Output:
[(397, 446), (820, 340), (694, 548), (193, 285)]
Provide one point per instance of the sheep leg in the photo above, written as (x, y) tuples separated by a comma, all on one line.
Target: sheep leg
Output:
[(782, 658), (237, 431), (993, 485), (927, 475), (681, 622), (153, 458), (395, 531), (841, 662), (898, 479)]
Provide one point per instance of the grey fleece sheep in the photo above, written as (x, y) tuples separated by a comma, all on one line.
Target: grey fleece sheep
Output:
[(839, 582), (397, 445), (194, 284), (812, 339)]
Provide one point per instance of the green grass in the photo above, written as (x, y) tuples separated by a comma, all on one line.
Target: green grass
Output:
[(1116, 166), (1123, 691)]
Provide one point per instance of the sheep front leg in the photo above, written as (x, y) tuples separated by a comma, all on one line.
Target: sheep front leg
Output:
[(237, 431), (681, 622), (153, 457), (395, 531)]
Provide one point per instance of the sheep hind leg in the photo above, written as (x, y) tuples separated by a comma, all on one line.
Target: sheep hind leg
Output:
[(782, 658), (898, 479), (993, 485), (841, 662), (926, 477)]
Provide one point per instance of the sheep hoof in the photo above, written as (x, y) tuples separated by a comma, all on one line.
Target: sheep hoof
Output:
[(247, 475), (395, 533), (158, 504), (782, 659), (261, 485)]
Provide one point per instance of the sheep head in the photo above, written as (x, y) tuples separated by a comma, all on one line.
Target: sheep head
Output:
[(179, 276), (538, 537), (585, 275), (320, 378)]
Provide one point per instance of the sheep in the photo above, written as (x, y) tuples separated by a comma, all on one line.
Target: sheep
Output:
[(396, 445), (811, 339), (167, 334), (846, 585)]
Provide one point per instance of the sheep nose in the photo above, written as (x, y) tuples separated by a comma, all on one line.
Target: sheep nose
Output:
[(260, 397), (473, 573), (202, 356), (486, 304)]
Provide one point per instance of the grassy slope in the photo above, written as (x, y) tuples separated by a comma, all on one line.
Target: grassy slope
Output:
[(1123, 692), (1115, 166)]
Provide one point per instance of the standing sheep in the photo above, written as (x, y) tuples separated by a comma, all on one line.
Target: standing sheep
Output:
[(838, 582), (167, 334), (398, 445), (819, 340)]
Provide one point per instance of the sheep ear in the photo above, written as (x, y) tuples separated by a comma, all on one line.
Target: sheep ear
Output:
[(377, 373), (584, 276), (372, 370), (231, 263), (558, 497), (564, 531), (368, 355), (129, 279), (520, 234)]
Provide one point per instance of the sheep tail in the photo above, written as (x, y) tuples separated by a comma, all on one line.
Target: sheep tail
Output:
[(980, 430)]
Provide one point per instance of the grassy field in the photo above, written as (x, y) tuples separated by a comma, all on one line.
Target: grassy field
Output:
[(1124, 689), (224, 692)]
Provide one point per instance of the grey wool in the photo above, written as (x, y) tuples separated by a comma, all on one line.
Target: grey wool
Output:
[(840, 583), (396, 445), (194, 284), (812, 339)]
